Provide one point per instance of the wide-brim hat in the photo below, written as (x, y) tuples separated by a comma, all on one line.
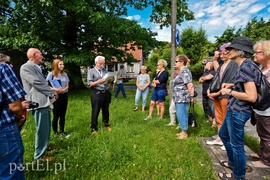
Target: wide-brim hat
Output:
[(242, 43)]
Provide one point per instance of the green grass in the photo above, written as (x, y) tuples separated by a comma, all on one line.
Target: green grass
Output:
[(135, 149)]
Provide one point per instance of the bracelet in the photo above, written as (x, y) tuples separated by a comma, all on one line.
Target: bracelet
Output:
[(230, 93)]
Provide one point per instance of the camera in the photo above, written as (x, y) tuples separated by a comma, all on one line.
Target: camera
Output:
[(211, 53), (33, 105), (205, 61)]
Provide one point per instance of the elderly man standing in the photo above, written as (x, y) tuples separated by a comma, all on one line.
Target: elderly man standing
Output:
[(100, 96), (11, 155), (38, 91)]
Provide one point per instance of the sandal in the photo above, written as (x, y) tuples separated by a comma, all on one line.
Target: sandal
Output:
[(225, 176), (182, 136), (226, 164)]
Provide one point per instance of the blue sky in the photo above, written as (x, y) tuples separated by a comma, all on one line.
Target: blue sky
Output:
[(214, 16)]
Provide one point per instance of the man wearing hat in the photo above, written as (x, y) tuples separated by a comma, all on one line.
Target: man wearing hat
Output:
[(206, 80), (241, 94)]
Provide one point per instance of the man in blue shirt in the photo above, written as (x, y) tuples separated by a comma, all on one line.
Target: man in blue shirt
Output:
[(11, 147)]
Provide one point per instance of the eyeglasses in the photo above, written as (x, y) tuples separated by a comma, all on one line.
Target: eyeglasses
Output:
[(8, 62), (223, 54), (259, 52)]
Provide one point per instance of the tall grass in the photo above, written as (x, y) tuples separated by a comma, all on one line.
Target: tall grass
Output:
[(134, 149)]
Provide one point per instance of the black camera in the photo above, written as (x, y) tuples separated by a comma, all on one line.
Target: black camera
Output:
[(211, 53), (33, 105)]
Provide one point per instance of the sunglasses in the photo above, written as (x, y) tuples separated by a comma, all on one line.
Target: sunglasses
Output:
[(8, 62)]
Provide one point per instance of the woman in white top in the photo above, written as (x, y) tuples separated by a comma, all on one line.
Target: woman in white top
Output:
[(142, 83), (262, 56)]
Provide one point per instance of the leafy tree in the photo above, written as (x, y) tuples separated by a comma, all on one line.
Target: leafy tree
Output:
[(162, 12), (257, 29), (194, 43), (76, 30), (79, 29)]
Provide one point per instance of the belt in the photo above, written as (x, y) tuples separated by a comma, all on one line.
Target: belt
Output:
[(100, 91)]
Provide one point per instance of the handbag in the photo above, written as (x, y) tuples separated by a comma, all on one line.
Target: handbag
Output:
[(191, 116), (253, 120), (215, 85)]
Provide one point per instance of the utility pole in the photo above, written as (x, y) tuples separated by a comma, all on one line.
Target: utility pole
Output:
[(173, 30)]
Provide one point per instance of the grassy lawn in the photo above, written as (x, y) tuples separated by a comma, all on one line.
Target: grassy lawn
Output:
[(134, 149)]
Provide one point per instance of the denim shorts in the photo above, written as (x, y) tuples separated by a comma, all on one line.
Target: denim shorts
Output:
[(159, 95)]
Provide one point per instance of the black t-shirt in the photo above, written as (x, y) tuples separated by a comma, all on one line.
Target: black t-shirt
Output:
[(205, 84)]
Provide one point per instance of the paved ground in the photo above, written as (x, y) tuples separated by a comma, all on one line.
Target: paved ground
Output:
[(249, 128), (218, 155)]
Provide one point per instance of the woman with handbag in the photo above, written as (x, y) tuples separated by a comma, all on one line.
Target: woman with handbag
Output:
[(182, 93), (241, 93), (224, 74)]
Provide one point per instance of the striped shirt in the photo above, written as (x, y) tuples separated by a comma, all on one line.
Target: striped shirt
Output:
[(247, 72), (10, 91)]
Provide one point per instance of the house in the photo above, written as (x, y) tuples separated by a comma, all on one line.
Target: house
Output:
[(132, 69)]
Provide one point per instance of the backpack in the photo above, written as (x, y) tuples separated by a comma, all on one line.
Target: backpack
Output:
[(263, 94)]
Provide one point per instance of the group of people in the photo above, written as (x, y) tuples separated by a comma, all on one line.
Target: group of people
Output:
[(237, 75), (15, 99), (236, 72)]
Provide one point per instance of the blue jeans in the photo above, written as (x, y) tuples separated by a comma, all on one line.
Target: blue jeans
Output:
[(11, 153), (144, 95), (120, 87), (182, 115), (232, 135)]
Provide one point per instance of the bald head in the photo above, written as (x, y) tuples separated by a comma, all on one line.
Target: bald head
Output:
[(34, 55)]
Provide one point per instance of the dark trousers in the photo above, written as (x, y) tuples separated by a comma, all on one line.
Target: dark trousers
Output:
[(207, 105), (100, 100), (263, 129), (59, 112), (120, 87)]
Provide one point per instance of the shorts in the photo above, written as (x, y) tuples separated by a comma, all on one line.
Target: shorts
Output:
[(159, 95)]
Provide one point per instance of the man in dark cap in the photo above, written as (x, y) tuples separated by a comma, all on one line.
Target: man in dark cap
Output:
[(242, 93)]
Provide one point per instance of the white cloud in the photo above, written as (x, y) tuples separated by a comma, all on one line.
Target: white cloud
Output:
[(135, 17), (216, 15), (256, 8)]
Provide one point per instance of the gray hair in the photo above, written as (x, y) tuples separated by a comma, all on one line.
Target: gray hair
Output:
[(98, 58), (243, 54)]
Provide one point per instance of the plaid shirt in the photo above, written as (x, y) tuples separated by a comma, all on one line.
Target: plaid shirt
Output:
[(12, 90)]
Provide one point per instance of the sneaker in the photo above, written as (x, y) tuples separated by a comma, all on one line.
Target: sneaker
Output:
[(214, 142), (223, 148), (66, 135), (171, 124), (147, 118), (215, 136), (178, 127)]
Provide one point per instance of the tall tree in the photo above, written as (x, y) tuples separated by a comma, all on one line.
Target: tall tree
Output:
[(79, 29), (194, 43)]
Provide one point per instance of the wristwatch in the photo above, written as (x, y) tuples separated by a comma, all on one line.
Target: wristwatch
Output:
[(230, 93)]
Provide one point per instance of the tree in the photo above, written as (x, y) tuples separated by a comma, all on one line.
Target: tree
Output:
[(194, 43), (76, 30), (79, 29)]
